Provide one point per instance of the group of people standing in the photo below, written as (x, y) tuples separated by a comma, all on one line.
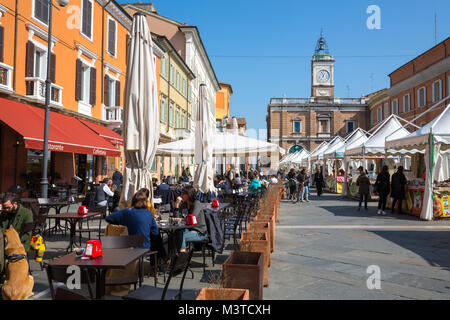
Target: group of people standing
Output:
[(384, 185), (302, 181)]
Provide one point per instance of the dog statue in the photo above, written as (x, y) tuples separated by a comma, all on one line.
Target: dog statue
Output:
[(18, 284)]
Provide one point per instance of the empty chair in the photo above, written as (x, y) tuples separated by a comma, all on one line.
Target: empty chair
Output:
[(181, 261)]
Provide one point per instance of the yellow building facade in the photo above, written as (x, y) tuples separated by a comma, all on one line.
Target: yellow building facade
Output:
[(175, 107)]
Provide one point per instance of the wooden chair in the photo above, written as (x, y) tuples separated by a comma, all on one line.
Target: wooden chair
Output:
[(181, 261)]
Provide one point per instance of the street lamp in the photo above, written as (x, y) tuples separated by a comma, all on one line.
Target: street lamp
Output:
[(44, 180)]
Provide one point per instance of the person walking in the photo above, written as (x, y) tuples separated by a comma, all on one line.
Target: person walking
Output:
[(363, 183), (306, 184), (292, 184), (318, 180), (117, 178), (398, 186), (383, 188)]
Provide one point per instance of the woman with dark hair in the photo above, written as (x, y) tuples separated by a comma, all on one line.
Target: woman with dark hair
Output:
[(138, 219), (398, 187), (383, 188), (193, 206)]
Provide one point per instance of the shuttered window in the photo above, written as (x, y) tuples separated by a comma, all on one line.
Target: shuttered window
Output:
[(118, 93), (93, 87), (2, 42), (86, 23), (41, 10), (106, 98), (112, 37)]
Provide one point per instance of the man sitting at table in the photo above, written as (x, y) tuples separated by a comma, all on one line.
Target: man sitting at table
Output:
[(138, 219), (19, 217), (188, 200)]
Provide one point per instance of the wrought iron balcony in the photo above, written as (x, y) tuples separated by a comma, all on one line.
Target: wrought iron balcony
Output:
[(35, 88)]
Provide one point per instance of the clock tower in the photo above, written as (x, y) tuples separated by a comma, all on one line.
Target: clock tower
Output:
[(322, 71)]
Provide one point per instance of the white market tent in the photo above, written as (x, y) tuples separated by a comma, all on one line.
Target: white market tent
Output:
[(433, 139), (320, 150), (389, 129), (224, 144), (354, 139), (286, 159), (301, 158)]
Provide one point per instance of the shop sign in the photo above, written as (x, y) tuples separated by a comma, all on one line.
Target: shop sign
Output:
[(55, 147), (99, 152), (444, 203)]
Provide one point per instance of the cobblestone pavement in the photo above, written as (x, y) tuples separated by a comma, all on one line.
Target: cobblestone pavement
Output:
[(322, 251)]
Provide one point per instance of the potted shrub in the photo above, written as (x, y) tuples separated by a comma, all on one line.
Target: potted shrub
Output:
[(245, 270), (257, 242), (262, 227)]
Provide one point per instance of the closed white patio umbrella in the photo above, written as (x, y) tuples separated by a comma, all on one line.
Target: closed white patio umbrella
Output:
[(141, 112), (204, 135)]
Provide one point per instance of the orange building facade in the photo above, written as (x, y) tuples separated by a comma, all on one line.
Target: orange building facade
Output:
[(88, 69)]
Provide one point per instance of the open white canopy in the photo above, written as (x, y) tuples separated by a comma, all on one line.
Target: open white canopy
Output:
[(300, 158), (289, 156), (319, 150), (336, 141), (418, 140), (224, 144), (391, 129), (356, 138)]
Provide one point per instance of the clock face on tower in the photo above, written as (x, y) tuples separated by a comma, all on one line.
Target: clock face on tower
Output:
[(323, 76)]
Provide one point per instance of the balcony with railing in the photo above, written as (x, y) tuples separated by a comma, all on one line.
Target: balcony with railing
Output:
[(113, 115), (5, 77), (35, 89)]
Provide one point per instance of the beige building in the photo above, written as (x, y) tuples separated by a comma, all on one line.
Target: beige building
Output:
[(304, 123), (175, 110)]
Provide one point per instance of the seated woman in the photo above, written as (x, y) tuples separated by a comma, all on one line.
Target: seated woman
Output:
[(255, 185), (138, 219), (189, 201)]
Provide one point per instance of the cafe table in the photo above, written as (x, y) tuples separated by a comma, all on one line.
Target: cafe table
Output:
[(111, 259), (72, 218), (57, 205)]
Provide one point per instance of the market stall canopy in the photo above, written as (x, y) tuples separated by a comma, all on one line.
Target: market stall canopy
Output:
[(331, 151), (224, 144), (391, 128), (335, 141), (301, 157), (356, 138), (288, 157), (66, 133), (418, 140), (322, 147)]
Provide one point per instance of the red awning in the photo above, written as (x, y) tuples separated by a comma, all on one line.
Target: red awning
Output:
[(104, 132), (66, 134)]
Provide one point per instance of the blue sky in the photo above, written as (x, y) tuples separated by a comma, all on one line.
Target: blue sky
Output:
[(264, 48)]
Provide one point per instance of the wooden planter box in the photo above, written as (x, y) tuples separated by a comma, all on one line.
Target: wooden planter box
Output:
[(223, 294), (257, 242), (268, 219), (262, 227), (245, 270)]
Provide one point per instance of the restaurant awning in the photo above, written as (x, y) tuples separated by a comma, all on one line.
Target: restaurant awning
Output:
[(66, 133), (104, 132)]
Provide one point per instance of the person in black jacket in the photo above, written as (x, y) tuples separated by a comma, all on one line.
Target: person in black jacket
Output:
[(398, 187), (318, 180), (383, 188), (292, 185)]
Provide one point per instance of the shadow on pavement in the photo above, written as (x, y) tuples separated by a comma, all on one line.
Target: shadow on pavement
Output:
[(433, 246)]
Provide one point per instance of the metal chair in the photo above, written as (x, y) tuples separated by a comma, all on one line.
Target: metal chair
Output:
[(65, 294), (121, 242), (88, 229), (60, 274), (181, 261)]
